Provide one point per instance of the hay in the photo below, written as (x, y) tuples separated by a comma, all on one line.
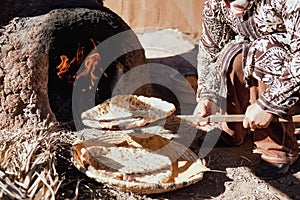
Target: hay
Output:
[(28, 164)]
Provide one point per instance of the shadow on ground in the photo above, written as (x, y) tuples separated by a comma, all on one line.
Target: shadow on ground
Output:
[(238, 182)]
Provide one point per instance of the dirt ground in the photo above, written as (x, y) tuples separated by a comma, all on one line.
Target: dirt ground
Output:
[(238, 182), (235, 179)]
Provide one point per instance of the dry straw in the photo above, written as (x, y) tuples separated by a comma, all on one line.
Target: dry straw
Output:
[(27, 163)]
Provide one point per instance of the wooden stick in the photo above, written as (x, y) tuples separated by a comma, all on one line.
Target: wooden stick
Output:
[(227, 118)]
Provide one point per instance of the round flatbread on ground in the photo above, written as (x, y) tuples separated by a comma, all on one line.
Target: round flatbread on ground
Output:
[(129, 162), (125, 160)]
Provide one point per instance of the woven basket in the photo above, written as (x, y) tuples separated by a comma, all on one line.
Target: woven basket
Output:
[(186, 175)]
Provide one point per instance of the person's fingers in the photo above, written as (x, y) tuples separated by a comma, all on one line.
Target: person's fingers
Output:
[(246, 123), (195, 124), (203, 123), (252, 125), (198, 111)]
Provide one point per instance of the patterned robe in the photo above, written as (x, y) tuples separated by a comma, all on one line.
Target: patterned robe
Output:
[(266, 22)]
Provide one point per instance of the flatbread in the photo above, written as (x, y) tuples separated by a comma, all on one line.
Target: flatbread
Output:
[(124, 162), (140, 163), (127, 111)]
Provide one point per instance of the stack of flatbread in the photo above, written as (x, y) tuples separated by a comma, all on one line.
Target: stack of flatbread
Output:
[(140, 163), (127, 111)]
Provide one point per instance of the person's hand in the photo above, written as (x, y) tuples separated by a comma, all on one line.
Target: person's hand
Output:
[(255, 117), (205, 108)]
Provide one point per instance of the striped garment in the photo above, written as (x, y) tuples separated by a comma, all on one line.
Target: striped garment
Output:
[(269, 38)]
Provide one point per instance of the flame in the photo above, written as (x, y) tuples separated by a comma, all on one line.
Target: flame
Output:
[(91, 63), (65, 64)]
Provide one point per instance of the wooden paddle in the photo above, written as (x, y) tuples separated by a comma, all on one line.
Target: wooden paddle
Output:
[(227, 118), (230, 118)]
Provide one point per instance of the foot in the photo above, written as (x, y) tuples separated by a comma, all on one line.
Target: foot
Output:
[(266, 170)]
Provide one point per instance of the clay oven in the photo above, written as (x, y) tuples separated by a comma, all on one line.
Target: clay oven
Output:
[(37, 37)]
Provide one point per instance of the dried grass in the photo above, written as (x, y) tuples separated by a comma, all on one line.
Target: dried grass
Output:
[(28, 164)]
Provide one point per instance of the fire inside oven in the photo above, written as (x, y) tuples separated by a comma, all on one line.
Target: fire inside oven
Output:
[(74, 56)]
